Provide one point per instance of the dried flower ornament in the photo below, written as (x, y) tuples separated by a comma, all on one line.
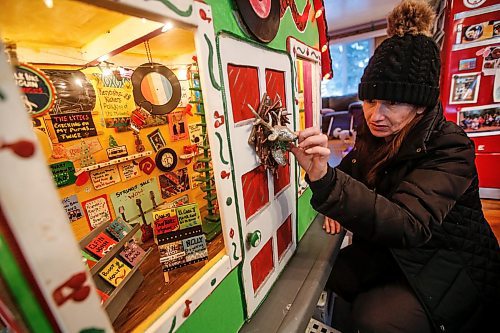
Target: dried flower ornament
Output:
[(271, 142)]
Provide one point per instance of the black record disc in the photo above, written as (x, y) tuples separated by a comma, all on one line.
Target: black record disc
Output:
[(166, 159), (157, 86), (262, 17)]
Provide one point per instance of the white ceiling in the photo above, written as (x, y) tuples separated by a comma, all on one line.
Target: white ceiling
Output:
[(342, 14)]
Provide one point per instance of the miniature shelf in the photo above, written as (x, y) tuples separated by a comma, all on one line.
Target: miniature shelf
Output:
[(113, 162), (114, 250), (125, 290), (121, 294)]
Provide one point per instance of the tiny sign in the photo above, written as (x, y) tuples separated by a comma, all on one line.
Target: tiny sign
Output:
[(40, 94), (63, 173), (179, 236), (105, 177), (97, 211), (101, 245), (129, 170), (118, 228), (188, 215), (73, 126), (72, 207), (115, 272), (165, 221), (117, 152), (132, 253)]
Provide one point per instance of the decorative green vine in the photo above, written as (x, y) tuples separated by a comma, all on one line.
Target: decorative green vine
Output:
[(211, 63), (171, 6)]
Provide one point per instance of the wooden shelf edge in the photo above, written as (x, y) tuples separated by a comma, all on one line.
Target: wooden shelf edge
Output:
[(104, 260), (91, 235), (112, 162), (128, 277)]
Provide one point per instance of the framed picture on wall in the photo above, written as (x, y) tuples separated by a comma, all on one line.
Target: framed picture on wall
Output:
[(157, 140), (496, 87), (465, 88), (480, 120)]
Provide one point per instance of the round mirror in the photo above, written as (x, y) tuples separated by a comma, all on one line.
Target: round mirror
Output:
[(156, 88)]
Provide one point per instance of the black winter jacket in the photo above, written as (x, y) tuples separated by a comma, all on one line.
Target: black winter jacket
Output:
[(426, 210)]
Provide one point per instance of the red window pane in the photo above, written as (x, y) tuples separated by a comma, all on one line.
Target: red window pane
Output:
[(244, 90), (255, 190), (308, 97), (275, 85), (281, 178), (262, 264), (284, 236)]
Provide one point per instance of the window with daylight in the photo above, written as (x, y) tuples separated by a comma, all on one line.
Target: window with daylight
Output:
[(349, 60)]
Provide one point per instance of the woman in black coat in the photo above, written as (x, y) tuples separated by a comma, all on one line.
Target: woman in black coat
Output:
[(423, 258)]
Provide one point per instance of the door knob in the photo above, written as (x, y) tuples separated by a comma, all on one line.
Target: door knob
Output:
[(254, 238)]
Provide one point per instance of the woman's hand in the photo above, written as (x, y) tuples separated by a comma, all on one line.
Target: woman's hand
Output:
[(331, 226), (312, 152)]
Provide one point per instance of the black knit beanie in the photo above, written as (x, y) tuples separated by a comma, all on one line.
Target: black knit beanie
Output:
[(405, 67)]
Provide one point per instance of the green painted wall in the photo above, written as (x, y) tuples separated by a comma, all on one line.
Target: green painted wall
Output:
[(224, 20), (306, 213), (221, 312)]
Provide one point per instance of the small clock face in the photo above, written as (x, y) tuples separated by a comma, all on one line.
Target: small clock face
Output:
[(166, 159), (473, 3)]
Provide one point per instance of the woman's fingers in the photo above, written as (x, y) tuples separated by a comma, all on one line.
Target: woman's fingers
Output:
[(331, 226), (308, 132), (337, 227), (322, 151), (314, 140), (326, 225)]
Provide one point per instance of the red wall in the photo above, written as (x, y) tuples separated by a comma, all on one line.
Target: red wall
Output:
[(487, 147)]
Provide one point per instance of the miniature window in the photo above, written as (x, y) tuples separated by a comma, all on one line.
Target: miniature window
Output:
[(275, 85), (255, 190), (244, 89), (284, 237), (127, 149), (262, 265), (281, 178)]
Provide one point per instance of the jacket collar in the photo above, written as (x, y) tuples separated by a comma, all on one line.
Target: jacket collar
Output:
[(415, 143)]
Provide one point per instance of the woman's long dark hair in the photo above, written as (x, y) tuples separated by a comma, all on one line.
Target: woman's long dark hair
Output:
[(380, 151)]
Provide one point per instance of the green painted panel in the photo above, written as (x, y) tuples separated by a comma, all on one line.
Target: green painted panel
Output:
[(221, 312), (223, 12), (306, 213), (30, 309)]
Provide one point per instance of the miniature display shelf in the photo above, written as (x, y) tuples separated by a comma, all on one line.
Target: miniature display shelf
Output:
[(112, 162), (120, 296)]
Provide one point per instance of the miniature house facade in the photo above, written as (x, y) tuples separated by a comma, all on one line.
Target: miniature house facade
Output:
[(82, 171)]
